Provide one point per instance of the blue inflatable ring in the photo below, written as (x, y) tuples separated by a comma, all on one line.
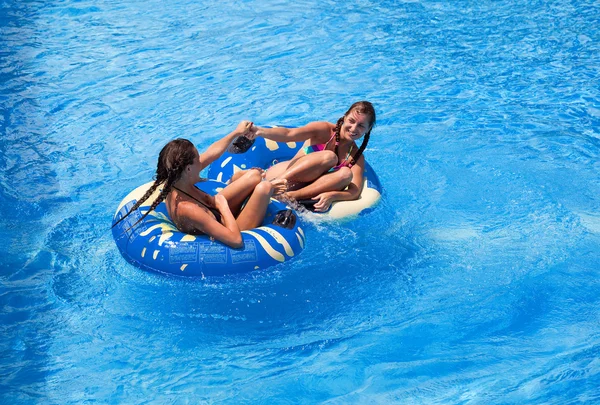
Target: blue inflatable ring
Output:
[(263, 153), (155, 244)]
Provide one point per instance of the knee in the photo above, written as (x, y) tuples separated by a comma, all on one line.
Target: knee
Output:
[(329, 158), (264, 188), (345, 175), (253, 176)]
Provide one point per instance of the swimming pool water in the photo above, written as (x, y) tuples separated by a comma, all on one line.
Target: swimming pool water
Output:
[(474, 281)]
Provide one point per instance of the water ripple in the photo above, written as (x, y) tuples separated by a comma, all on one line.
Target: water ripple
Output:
[(474, 280)]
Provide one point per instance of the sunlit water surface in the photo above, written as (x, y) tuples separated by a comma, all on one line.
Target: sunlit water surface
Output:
[(474, 281)]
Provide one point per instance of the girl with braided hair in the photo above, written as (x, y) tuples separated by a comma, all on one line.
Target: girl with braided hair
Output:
[(222, 216), (330, 166)]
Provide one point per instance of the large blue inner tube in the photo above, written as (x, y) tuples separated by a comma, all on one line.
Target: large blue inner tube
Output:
[(155, 243), (260, 152)]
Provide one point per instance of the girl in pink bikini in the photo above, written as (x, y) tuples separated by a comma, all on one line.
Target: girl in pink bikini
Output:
[(330, 166)]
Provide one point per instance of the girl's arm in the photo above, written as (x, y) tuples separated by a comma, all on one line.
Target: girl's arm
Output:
[(214, 151), (228, 233), (352, 192), (319, 130)]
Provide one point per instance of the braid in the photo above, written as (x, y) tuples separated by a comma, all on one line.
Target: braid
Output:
[(362, 147), (140, 201), (361, 107), (338, 128), (161, 197), (174, 157)]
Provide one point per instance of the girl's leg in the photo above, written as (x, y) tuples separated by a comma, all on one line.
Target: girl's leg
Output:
[(275, 171), (237, 175), (335, 181), (304, 169), (255, 209), (238, 190), (308, 168)]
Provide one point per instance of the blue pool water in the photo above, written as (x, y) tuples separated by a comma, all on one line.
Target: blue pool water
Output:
[(474, 281)]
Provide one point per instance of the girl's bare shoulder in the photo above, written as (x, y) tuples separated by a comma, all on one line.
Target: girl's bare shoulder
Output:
[(320, 130)]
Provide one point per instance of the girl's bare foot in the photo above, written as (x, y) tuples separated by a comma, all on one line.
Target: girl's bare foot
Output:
[(280, 187)]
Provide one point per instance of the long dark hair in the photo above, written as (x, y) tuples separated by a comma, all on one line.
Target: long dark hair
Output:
[(172, 161), (361, 107)]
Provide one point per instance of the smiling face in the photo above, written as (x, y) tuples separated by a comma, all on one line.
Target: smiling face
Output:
[(355, 125)]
